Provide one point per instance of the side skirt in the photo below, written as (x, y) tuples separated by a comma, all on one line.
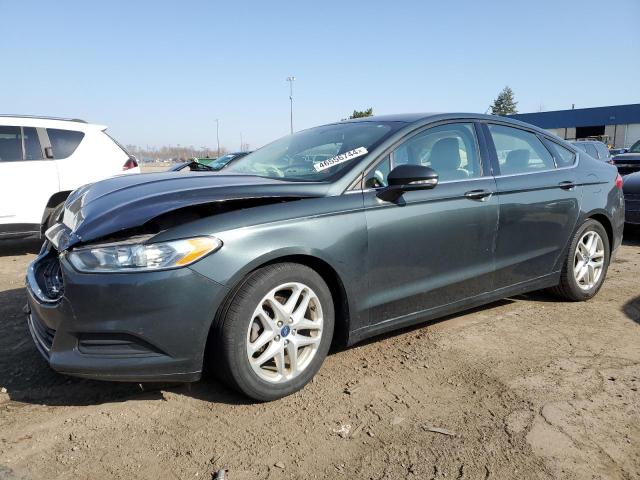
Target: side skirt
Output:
[(424, 316)]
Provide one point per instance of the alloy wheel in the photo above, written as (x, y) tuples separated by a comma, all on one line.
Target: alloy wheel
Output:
[(285, 332), (588, 261)]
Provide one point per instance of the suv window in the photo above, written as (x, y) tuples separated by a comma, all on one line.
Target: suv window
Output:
[(451, 150), (563, 156), (10, 144), (580, 146), (591, 150), (64, 142), (519, 151), (32, 148), (603, 151)]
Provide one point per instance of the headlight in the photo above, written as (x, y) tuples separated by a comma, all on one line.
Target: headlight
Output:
[(143, 257)]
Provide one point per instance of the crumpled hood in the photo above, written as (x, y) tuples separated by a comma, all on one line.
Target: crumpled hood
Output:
[(128, 201)]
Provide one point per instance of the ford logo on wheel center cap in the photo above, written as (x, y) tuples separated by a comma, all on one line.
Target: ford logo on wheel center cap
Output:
[(285, 330)]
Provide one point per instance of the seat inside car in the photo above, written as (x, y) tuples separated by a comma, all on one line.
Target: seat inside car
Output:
[(516, 161), (446, 161)]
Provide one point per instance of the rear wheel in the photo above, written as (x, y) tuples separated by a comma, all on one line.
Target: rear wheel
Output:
[(587, 262), (276, 331)]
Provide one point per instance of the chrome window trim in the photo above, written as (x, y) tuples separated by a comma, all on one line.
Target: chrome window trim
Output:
[(446, 182), (537, 171)]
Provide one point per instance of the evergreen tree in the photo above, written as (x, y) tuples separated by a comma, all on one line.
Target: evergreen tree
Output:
[(362, 113), (505, 104)]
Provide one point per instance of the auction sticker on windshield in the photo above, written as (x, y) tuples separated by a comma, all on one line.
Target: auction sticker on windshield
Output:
[(343, 157)]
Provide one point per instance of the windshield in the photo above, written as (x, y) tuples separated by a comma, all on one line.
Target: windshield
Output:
[(635, 148), (316, 154)]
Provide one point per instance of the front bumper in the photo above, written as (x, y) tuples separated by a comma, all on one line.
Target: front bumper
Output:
[(142, 327)]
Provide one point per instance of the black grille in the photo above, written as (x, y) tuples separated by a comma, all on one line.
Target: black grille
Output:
[(48, 275)]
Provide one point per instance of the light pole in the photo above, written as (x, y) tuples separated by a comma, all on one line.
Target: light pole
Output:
[(218, 136), (291, 79)]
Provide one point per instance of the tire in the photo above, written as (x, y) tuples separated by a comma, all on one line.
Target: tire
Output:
[(570, 287), (243, 326), (53, 218)]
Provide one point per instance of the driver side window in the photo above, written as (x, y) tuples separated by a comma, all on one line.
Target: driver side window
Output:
[(451, 150)]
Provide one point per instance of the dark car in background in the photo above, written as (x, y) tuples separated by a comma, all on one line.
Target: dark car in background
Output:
[(628, 162), (330, 235), (208, 164), (617, 151), (594, 148), (631, 189), (221, 162)]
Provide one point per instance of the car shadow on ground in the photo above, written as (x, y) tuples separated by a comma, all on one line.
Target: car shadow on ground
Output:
[(632, 309), (19, 247), (631, 235)]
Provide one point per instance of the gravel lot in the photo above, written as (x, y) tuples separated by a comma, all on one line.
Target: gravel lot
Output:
[(525, 388)]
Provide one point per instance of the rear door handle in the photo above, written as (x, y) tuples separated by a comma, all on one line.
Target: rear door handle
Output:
[(566, 185), (478, 195)]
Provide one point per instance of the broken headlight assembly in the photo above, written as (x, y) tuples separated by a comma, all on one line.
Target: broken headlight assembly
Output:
[(142, 257)]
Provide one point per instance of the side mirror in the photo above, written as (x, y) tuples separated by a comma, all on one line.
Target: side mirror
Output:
[(48, 152), (412, 177)]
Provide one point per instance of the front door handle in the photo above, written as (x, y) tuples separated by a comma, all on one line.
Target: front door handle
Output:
[(478, 195), (566, 185)]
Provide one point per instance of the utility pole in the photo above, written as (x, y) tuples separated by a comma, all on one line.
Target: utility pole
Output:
[(291, 79), (218, 136), (241, 141)]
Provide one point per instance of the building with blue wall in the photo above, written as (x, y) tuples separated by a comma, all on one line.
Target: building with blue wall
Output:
[(618, 125)]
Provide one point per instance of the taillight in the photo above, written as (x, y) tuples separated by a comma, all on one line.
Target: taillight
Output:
[(129, 164), (619, 181)]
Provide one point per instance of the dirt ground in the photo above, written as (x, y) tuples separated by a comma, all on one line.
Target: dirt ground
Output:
[(525, 388)]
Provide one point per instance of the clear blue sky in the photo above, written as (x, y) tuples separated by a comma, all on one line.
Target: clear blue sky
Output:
[(160, 72)]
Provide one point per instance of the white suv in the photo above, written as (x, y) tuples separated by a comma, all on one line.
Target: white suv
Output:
[(42, 160)]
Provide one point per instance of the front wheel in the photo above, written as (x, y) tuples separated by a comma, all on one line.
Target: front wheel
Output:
[(587, 262), (276, 331)]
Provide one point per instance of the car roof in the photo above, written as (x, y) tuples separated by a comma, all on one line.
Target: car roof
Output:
[(42, 121), (419, 118)]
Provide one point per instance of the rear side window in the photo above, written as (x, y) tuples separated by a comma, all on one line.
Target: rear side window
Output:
[(580, 146), (519, 151), (32, 148), (603, 151), (10, 144), (591, 150), (563, 156), (64, 142)]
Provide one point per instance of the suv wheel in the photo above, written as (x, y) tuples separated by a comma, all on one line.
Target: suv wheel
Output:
[(276, 331), (587, 262)]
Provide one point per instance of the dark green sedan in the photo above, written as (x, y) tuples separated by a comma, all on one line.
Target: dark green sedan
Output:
[(331, 235)]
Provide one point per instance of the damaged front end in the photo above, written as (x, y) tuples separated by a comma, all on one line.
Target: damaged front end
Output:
[(121, 208)]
